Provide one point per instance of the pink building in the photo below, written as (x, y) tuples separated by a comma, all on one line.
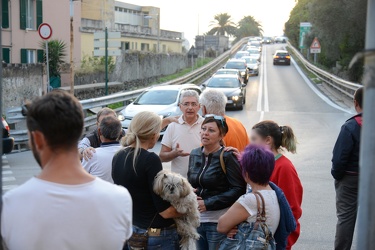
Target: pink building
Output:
[(20, 21)]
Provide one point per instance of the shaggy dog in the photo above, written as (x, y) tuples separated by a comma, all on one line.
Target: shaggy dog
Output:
[(177, 190)]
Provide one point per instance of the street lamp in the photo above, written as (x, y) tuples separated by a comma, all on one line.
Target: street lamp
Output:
[(149, 16)]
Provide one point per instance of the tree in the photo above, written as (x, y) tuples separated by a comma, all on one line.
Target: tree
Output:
[(222, 25), (248, 26), (56, 53)]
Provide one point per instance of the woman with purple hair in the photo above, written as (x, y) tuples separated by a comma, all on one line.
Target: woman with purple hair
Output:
[(257, 163)]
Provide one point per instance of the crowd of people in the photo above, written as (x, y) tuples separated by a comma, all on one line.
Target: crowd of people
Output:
[(100, 195)]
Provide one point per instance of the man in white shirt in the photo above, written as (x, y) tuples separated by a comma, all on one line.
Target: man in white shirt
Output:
[(63, 207), (100, 164), (182, 137)]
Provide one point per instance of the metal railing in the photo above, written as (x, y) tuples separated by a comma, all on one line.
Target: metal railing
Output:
[(20, 134), (346, 87)]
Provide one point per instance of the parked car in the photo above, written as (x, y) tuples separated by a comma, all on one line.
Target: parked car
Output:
[(229, 72), (281, 39), (281, 57), (252, 65), (241, 54), (8, 142), (240, 65), (254, 52), (163, 100), (232, 87)]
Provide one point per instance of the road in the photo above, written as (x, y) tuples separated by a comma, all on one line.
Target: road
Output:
[(281, 94)]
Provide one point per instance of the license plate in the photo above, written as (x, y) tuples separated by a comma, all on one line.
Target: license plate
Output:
[(282, 60), (230, 101)]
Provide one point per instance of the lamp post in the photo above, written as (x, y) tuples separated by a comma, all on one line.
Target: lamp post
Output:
[(149, 16), (71, 47)]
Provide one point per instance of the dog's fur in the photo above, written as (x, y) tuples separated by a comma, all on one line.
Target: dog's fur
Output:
[(177, 190)]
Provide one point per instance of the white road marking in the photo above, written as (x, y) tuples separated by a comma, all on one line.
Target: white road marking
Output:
[(261, 116), (266, 103), (263, 88), (260, 90)]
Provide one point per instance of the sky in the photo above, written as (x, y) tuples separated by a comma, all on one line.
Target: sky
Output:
[(194, 16)]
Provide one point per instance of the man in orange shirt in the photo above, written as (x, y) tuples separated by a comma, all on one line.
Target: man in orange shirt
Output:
[(214, 102)]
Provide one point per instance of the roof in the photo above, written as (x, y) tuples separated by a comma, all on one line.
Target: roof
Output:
[(174, 87), (225, 76), (281, 50)]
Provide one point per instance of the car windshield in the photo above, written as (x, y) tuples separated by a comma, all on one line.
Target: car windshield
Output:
[(253, 51), (250, 60), (241, 54), (227, 72), (157, 97), (256, 44), (282, 54), (235, 65), (223, 83)]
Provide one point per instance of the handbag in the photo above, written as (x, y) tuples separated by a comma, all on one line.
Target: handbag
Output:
[(139, 241), (255, 235)]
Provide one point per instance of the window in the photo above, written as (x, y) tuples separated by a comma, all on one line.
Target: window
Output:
[(125, 45), (164, 48), (136, 46), (28, 56), (6, 55), (31, 14), (5, 12), (154, 49), (145, 46)]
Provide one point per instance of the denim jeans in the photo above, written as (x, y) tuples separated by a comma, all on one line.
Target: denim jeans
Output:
[(209, 238), (168, 239)]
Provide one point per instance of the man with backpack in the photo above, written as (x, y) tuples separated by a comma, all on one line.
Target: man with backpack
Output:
[(345, 170)]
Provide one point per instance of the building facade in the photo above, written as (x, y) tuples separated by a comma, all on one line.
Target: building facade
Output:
[(139, 27), (218, 44), (21, 42)]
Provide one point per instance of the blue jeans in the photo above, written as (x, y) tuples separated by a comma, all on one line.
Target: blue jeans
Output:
[(168, 239), (209, 238)]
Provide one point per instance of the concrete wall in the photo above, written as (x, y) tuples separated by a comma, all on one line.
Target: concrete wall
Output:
[(21, 82)]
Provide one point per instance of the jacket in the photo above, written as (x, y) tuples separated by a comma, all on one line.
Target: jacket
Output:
[(217, 189), (287, 222), (346, 151)]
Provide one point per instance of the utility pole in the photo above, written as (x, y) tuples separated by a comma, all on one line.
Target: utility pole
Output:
[(158, 16), (71, 48), (366, 209), (106, 60)]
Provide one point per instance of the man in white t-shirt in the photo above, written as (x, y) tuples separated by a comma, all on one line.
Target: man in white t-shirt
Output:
[(182, 137), (100, 164), (63, 207)]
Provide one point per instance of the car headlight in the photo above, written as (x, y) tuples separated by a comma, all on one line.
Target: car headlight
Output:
[(235, 98), (242, 73), (255, 68), (121, 117)]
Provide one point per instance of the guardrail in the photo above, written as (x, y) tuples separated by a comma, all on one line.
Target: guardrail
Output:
[(346, 87), (20, 135)]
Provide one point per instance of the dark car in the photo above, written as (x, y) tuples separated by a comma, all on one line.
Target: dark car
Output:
[(232, 87), (267, 40), (281, 57), (239, 64), (8, 142)]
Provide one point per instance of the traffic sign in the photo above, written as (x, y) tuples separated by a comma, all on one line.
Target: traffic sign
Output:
[(45, 31), (111, 44), (304, 29), (315, 46), (101, 52)]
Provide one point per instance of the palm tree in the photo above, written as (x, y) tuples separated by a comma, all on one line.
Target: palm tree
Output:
[(248, 26), (56, 53), (222, 25)]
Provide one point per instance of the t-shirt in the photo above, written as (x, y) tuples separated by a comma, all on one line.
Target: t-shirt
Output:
[(42, 215), (146, 204), (249, 202), (237, 136), (100, 164), (188, 137)]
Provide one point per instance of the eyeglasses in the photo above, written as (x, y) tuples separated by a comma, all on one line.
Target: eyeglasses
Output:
[(192, 104), (218, 118)]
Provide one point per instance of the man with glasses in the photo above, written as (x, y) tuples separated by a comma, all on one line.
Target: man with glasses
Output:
[(182, 137)]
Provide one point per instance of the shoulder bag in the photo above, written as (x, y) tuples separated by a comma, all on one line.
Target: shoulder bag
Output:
[(139, 241)]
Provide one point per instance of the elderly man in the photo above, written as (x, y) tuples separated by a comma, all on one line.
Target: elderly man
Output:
[(63, 207), (100, 164), (213, 102), (182, 137)]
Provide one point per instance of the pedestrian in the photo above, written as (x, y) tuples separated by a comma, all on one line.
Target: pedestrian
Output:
[(100, 164), (213, 102), (345, 171), (278, 138), (215, 175), (63, 207), (135, 168), (182, 137)]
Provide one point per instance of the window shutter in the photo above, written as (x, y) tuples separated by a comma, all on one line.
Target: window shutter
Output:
[(23, 9), (40, 56), (5, 12), (23, 55), (39, 12), (6, 55)]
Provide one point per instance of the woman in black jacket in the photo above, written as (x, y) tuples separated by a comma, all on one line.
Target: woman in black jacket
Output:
[(218, 184)]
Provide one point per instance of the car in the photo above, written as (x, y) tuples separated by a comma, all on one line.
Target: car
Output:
[(267, 40), (163, 100), (254, 52), (241, 54), (232, 87), (281, 57), (256, 44), (281, 39), (240, 65), (229, 72), (8, 142), (252, 65)]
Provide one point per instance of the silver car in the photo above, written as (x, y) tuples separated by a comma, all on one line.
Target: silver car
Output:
[(163, 100), (252, 65)]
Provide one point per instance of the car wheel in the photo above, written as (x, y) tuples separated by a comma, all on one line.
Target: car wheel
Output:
[(288, 64), (274, 63)]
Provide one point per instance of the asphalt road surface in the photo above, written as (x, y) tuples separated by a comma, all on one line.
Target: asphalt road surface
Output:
[(281, 94)]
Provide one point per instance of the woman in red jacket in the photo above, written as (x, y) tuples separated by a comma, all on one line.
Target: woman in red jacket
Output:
[(284, 175)]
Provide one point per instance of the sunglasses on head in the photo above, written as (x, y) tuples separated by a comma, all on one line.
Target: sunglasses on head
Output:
[(218, 118)]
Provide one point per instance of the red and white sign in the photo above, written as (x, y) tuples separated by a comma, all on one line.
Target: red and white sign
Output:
[(45, 31), (315, 46)]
